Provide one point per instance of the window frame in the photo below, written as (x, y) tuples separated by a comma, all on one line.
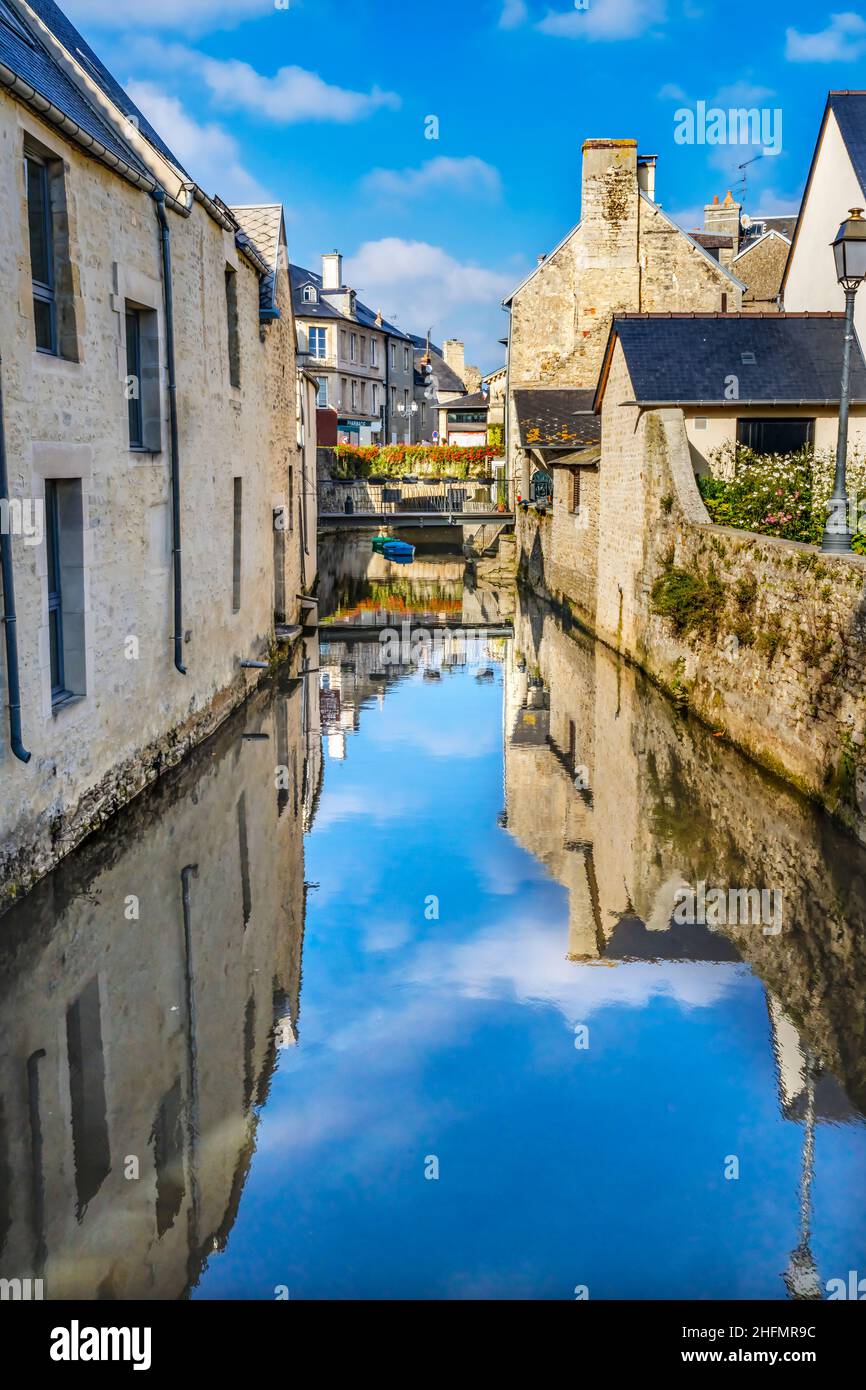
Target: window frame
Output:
[(59, 692), (135, 405), (44, 291)]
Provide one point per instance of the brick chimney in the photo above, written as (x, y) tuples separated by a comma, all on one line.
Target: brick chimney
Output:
[(454, 352), (332, 271)]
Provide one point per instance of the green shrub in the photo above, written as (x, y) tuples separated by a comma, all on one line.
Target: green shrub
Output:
[(692, 602)]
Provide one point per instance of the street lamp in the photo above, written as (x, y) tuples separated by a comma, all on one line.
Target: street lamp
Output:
[(413, 408), (849, 249)]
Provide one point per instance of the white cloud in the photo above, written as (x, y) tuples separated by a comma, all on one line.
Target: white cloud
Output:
[(514, 13), (843, 40), (209, 153), (431, 287), (465, 178), (187, 16), (293, 94), (604, 20), (671, 92)]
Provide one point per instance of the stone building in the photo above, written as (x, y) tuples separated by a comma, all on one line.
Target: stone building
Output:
[(440, 382), (625, 254), (148, 988), (363, 364), (754, 248), (150, 404)]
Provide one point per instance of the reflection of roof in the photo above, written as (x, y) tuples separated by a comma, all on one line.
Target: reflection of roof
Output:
[(531, 726), (778, 359), (632, 940), (556, 419)]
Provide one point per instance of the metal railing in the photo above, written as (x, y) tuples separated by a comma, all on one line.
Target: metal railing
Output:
[(397, 496)]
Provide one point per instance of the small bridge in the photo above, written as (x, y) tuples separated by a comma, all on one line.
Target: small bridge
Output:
[(414, 502)]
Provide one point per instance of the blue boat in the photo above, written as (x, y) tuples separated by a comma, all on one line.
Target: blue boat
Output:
[(398, 550)]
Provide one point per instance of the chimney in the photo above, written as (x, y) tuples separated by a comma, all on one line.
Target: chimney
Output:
[(646, 175), (609, 203), (454, 353), (332, 271), (723, 219)]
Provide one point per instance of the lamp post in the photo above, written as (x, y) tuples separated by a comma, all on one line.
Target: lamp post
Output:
[(849, 249), (413, 408)]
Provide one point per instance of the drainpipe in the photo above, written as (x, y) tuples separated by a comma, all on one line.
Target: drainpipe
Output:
[(9, 616), (159, 198)]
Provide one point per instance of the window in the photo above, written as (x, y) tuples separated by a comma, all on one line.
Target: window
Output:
[(394, 355), (41, 254), (310, 296), (322, 393), (64, 536), (318, 342), (405, 359), (343, 343), (354, 394), (467, 417), (133, 378), (353, 347), (344, 389), (238, 497), (775, 435), (393, 400), (375, 391), (364, 352), (233, 327), (406, 399), (142, 379), (372, 352)]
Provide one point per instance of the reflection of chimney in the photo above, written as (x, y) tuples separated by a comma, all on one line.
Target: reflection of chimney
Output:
[(646, 175), (332, 271), (454, 353)]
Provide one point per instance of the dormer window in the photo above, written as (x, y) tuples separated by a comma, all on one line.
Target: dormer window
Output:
[(310, 295)]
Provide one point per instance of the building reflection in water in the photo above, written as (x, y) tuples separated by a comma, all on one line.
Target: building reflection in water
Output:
[(624, 799), (147, 987)]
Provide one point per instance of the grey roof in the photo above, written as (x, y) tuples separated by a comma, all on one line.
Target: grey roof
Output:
[(446, 378), (34, 64), (324, 309), (849, 108), (422, 344), (477, 401), (555, 418), (783, 223), (65, 32), (264, 227), (777, 358)]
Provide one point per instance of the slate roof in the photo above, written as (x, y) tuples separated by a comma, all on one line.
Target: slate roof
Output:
[(477, 401), (324, 308), (263, 225), (711, 241), (32, 62), (446, 378), (783, 224), (60, 90), (849, 108), (550, 418), (781, 359)]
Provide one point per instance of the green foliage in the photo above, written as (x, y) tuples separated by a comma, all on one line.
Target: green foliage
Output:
[(692, 602), (394, 460), (784, 495)]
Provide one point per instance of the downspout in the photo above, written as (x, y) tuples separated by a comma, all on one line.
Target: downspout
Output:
[(165, 234), (9, 617)]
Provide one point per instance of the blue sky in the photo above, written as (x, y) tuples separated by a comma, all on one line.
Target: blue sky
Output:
[(323, 105)]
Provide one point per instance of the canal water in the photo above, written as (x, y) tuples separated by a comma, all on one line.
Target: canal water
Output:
[(383, 994)]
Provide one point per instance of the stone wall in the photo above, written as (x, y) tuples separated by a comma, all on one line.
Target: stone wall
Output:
[(68, 420), (623, 797), (771, 651)]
